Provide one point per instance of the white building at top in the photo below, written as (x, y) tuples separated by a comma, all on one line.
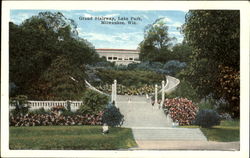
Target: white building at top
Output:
[(120, 56)]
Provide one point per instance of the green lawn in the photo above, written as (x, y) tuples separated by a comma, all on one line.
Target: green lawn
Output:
[(70, 137), (227, 131)]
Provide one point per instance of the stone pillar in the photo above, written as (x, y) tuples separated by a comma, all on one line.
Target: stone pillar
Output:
[(115, 91), (162, 93), (112, 92), (156, 95)]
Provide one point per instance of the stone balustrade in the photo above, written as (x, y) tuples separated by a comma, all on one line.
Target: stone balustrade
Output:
[(34, 105)]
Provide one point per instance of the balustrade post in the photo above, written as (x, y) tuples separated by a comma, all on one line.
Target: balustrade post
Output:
[(115, 92), (112, 92), (156, 95), (162, 93)]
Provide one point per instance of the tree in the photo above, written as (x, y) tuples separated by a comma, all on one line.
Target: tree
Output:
[(38, 44), (181, 52), (214, 38), (156, 43)]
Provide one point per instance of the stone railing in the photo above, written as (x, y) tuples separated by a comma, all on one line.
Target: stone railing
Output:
[(74, 105), (34, 105), (168, 86), (173, 83), (93, 88)]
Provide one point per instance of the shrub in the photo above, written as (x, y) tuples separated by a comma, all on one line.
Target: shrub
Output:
[(57, 109), (112, 116), (66, 119), (174, 66), (21, 105), (226, 116), (184, 90), (205, 105), (207, 118), (39, 111), (132, 77), (93, 102), (181, 110)]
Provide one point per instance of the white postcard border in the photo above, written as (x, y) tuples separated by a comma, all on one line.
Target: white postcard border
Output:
[(127, 5)]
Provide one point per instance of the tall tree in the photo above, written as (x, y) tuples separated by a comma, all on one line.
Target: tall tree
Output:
[(182, 52), (214, 38), (156, 43)]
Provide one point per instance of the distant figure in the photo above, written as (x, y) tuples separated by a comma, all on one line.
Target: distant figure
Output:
[(148, 101), (105, 129), (152, 102), (129, 99)]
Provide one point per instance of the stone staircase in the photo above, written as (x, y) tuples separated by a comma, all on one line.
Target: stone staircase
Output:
[(149, 123)]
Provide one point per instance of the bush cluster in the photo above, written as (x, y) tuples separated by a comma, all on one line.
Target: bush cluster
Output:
[(180, 110), (129, 77), (207, 118), (226, 116), (53, 119), (112, 116), (93, 102), (20, 103), (184, 90)]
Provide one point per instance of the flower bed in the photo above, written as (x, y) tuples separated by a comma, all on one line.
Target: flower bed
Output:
[(132, 90), (181, 110), (53, 119)]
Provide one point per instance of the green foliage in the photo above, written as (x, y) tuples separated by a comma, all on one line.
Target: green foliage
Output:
[(181, 52), (184, 90), (156, 43), (93, 102), (39, 111), (65, 81), (205, 105), (174, 66), (229, 89), (207, 118), (112, 116), (215, 42), (129, 78), (21, 105), (70, 138), (49, 41)]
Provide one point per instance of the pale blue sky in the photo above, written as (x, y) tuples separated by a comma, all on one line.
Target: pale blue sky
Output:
[(113, 35)]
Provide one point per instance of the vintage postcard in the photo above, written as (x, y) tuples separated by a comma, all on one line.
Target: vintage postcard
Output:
[(125, 79)]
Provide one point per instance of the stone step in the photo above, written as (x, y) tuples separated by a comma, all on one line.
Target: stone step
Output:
[(176, 134)]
